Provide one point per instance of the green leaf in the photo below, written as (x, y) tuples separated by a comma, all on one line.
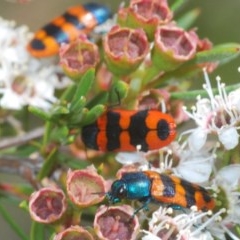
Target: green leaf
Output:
[(12, 223), (59, 110), (177, 5), (84, 85), (76, 118), (68, 94), (77, 106), (187, 20), (40, 113), (93, 114), (220, 53), (237, 229), (24, 204)]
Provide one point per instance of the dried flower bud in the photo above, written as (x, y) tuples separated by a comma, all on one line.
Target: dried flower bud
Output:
[(47, 205), (77, 57), (116, 222), (74, 232), (125, 49), (145, 14), (85, 187), (172, 47)]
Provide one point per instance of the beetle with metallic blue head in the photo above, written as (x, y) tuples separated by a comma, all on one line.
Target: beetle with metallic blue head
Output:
[(151, 186)]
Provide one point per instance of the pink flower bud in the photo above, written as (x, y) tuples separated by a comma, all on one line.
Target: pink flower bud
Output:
[(78, 57), (145, 14), (74, 232), (125, 49), (173, 46), (116, 222), (85, 187), (47, 205)]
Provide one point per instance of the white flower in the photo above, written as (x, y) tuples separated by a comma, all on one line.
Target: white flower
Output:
[(190, 226), (192, 165), (131, 158), (24, 80), (218, 114), (227, 212), (228, 179)]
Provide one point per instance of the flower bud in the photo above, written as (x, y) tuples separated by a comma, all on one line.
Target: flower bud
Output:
[(145, 14), (125, 49), (47, 205), (116, 222), (73, 232), (77, 57), (85, 187), (172, 47)]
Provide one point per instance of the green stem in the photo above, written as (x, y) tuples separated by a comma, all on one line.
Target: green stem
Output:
[(37, 231), (76, 218), (140, 79), (133, 92), (191, 95), (12, 223), (48, 165), (151, 72)]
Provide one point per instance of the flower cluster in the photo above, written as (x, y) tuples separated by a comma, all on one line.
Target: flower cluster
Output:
[(197, 160), (24, 80), (217, 115)]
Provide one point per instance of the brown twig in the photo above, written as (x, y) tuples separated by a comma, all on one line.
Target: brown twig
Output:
[(21, 139), (25, 167)]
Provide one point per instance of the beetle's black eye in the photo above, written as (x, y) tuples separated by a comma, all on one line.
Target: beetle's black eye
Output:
[(122, 192), (119, 189)]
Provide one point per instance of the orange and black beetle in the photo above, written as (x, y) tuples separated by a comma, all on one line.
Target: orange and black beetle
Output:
[(151, 186), (129, 130), (66, 28)]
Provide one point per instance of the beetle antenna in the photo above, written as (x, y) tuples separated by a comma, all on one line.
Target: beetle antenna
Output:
[(99, 193)]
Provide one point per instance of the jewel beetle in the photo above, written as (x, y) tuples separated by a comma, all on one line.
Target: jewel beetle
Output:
[(151, 186), (66, 28), (126, 130)]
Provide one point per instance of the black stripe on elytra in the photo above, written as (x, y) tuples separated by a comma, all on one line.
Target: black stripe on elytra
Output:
[(56, 32), (113, 130), (37, 44), (73, 20), (138, 129), (169, 186), (163, 130), (190, 191), (206, 196), (89, 136)]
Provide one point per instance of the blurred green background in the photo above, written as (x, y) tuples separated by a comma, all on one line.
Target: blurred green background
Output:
[(219, 21)]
